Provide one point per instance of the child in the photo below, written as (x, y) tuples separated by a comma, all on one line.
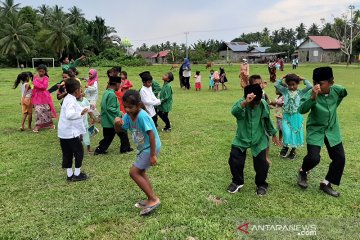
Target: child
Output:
[(211, 80), (41, 98), (124, 86), (197, 81), (91, 88), (223, 78), (253, 120), (278, 104), (166, 101), (146, 137), (256, 79), (110, 109), (147, 96), (70, 129), (323, 127), (61, 93), (84, 103), (25, 101), (216, 81), (292, 121)]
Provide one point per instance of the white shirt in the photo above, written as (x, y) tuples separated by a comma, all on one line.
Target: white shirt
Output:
[(28, 93), (149, 100), (71, 123), (187, 73), (91, 93), (198, 78)]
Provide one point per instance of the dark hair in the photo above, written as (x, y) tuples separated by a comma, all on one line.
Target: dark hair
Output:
[(132, 97), (255, 89), (22, 77), (197, 72), (41, 67), (74, 70), (212, 70), (170, 76), (125, 73), (62, 59), (252, 78), (292, 78), (72, 85)]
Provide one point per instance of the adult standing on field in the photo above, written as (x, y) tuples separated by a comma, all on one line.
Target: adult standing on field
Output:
[(186, 73), (181, 79), (244, 73)]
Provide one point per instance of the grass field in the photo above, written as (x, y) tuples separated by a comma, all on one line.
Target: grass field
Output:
[(191, 178)]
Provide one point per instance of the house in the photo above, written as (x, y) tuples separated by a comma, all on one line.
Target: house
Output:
[(147, 55), (236, 51), (161, 57), (320, 49)]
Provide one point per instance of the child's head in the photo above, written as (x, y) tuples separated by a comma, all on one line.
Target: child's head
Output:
[(146, 78), (92, 74), (65, 75), (198, 73), (73, 71), (65, 60), (114, 83), (255, 89), (168, 77), (22, 77), (255, 79), (211, 71), (123, 75), (73, 87), (324, 77), (132, 102), (42, 70), (292, 81)]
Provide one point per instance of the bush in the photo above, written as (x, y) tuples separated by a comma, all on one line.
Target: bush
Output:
[(128, 61)]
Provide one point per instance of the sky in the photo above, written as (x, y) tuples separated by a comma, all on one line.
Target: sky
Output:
[(156, 21)]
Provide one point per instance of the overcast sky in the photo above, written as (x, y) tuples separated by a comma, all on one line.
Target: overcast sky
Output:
[(156, 21)]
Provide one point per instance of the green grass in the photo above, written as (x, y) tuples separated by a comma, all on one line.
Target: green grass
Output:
[(37, 203)]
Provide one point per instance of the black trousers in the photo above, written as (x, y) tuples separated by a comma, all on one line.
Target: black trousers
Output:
[(155, 119), (72, 148), (337, 156), (165, 117), (237, 164), (186, 82), (109, 134), (293, 66), (181, 79)]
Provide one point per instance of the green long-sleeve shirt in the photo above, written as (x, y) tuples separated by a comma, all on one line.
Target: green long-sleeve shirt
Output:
[(166, 98), (110, 108), (252, 123), (156, 88), (66, 67), (323, 120)]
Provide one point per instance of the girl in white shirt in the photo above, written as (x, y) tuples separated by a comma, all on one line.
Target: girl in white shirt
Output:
[(147, 96), (91, 92), (70, 129)]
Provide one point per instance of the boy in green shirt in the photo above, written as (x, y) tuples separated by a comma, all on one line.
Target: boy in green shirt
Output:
[(166, 101), (253, 120), (66, 64), (323, 127), (110, 109)]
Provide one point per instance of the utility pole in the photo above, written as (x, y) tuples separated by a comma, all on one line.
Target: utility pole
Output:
[(351, 7), (187, 51)]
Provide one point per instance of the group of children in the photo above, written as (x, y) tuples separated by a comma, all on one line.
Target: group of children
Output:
[(215, 78), (254, 126)]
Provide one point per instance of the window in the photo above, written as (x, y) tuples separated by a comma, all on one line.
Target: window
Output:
[(315, 53)]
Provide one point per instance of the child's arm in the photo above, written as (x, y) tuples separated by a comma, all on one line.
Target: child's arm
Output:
[(127, 85), (92, 116), (26, 89), (166, 94), (341, 91), (153, 158), (238, 110), (278, 85), (72, 114), (113, 105), (92, 88), (41, 85), (308, 86), (309, 100), (149, 100)]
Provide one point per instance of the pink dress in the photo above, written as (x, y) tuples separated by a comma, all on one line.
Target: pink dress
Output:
[(42, 101)]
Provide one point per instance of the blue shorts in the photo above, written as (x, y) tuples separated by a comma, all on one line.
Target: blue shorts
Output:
[(143, 160)]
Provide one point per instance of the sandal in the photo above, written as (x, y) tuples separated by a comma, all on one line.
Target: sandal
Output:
[(22, 129), (35, 130), (149, 209), (140, 204)]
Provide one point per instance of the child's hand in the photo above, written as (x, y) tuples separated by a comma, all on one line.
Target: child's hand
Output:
[(153, 160), (315, 91), (301, 78), (250, 97), (276, 141), (84, 111), (92, 121), (86, 86), (118, 122)]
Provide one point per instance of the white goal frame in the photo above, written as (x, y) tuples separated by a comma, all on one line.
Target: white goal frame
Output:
[(33, 61)]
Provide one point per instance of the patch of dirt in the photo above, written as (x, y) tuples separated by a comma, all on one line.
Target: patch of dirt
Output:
[(216, 200)]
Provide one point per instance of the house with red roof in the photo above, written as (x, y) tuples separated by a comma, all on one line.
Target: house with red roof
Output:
[(320, 49)]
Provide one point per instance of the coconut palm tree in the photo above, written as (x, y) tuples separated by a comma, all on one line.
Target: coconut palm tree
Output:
[(313, 30), (44, 11), (76, 15), (9, 7), (15, 36), (300, 31)]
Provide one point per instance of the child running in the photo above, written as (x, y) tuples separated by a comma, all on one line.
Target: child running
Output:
[(253, 120), (148, 97), (25, 100), (41, 98), (148, 143), (70, 129), (197, 81), (166, 101), (323, 127), (292, 121)]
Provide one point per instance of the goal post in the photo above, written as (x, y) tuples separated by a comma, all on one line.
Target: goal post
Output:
[(36, 59)]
